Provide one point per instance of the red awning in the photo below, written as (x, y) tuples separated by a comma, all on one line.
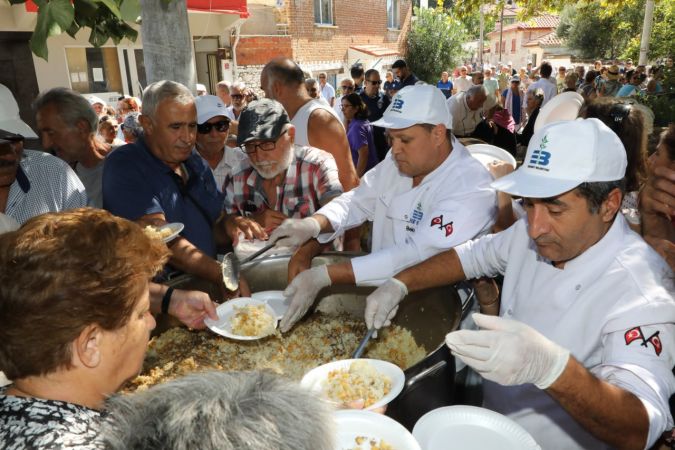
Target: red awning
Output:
[(217, 6), (220, 6)]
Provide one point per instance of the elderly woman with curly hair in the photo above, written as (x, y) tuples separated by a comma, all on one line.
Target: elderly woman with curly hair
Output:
[(75, 320)]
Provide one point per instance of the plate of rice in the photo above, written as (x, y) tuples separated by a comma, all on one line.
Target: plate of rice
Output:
[(166, 233), (366, 430), (244, 319), (343, 382)]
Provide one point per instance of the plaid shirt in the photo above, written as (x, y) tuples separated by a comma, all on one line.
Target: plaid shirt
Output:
[(311, 182)]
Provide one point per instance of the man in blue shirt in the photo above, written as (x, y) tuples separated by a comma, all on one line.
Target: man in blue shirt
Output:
[(445, 85), (161, 179)]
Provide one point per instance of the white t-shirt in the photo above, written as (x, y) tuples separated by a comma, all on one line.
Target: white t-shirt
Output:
[(548, 86), (462, 84), (617, 286), (410, 224)]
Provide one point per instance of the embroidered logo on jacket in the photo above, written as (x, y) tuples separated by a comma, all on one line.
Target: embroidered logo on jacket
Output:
[(438, 222), (636, 333)]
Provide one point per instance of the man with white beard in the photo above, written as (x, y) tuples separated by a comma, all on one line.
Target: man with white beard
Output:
[(279, 179)]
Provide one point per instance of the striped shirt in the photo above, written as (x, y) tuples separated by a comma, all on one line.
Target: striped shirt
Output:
[(44, 183), (311, 182)]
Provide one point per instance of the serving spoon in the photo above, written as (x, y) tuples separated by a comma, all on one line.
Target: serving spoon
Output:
[(231, 266)]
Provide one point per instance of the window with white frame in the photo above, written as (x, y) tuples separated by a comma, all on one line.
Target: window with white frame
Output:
[(323, 12), (393, 16)]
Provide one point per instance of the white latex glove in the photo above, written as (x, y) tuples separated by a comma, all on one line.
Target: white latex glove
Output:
[(382, 304), (509, 352), (302, 291), (295, 232)]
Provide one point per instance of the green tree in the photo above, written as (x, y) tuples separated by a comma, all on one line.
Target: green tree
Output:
[(106, 19), (434, 43), (586, 27)]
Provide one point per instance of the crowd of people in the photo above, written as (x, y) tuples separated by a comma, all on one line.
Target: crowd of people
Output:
[(576, 345)]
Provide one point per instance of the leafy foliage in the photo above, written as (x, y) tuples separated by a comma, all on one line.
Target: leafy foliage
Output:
[(599, 30), (434, 43), (107, 19)]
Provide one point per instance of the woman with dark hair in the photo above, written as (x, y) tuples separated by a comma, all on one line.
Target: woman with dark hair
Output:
[(628, 122), (587, 88), (359, 133)]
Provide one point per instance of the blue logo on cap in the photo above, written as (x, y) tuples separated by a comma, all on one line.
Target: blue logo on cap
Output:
[(540, 158), (397, 104)]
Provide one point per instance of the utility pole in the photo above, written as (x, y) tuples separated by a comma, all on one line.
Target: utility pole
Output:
[(646, 32), (501, 31)]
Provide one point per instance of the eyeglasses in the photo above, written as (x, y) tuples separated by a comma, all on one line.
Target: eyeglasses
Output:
[(221, 126), (237, 96), (347, 88), (374, 81), (266, 146)]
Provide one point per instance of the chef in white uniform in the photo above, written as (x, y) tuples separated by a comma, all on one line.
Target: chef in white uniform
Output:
[(582, 353), (428, 194)]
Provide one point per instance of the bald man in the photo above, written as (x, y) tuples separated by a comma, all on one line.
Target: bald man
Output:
[(316, 124)]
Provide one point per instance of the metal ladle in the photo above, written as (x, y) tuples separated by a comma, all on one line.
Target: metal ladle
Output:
[(231, 266)]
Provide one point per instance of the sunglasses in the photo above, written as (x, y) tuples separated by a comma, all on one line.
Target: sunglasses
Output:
[(237, 96), (374, 81), (347, 88), (221, 126)]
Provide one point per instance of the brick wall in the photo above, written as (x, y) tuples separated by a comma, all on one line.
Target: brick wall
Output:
[(256, 50), (356, 22)]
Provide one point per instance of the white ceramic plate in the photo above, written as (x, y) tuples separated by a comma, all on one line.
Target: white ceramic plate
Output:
[(470, 428), (175, 228), (352, 423), (486, 153), (564, 106), (275, 299), (226, 311), (314, 379)]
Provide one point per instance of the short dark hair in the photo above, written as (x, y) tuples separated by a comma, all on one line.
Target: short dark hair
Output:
[(370, 72), (597, 192), (111, 258), (356, 71), (546, 69), (399, 64)]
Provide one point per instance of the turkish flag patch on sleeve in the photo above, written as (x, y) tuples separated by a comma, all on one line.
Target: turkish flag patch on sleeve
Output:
[(635, 334)]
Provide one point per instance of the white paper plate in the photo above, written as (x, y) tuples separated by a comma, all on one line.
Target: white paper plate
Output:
[(486, 153), (470, 428), (564, 106), (314, 379), (352, 423), (175, 228), (225, 312), (275, 299)]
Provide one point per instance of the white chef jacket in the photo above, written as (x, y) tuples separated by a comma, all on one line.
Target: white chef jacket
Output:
[(410, 224), (593, 307)]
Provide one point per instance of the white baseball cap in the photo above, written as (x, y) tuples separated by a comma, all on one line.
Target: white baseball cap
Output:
[(562, 155), (414, 105), (9, 115), (209, 106), (94, 100)]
